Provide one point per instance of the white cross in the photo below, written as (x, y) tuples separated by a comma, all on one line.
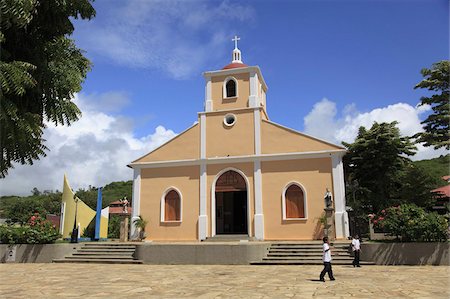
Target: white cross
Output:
[(235, 39)]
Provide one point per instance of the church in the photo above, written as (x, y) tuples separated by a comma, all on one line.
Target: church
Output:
[(236, 172)]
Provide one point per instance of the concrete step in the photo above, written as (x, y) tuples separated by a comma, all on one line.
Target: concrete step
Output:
[(78, 253), (109, 247), (113, 257), (305, 262), (105, 250), (99, 261), (109, 253), (309, 258), (301, 254), (314, 251), (228, 238)]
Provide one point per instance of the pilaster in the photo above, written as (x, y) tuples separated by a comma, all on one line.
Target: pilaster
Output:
[(341, 217)]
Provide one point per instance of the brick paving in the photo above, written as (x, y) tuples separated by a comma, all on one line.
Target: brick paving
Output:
[(215, 281)]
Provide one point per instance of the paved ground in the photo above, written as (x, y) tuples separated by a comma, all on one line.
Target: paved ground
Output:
[(199, 281)]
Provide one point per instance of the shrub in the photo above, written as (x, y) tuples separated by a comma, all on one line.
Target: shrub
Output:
[(410, 223), (36, 231)]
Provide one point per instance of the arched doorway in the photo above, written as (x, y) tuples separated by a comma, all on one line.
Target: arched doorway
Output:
[(231, 206)]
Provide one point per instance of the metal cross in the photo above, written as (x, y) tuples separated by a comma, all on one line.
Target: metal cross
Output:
[(235, 39)]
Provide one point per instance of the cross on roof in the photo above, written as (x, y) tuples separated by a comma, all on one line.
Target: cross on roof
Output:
[(235, 39)]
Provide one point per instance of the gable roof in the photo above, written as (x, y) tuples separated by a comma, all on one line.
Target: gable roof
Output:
[(185, 145), (280, 139)]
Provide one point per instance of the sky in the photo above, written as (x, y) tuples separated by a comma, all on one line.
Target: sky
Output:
[(330, 67)]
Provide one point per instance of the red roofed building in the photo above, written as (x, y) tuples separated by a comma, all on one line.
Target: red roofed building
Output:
[(117, 208), (443, 195)]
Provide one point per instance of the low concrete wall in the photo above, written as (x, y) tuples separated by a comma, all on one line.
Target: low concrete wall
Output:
[(202, 254), (35, 253), (406, 253)]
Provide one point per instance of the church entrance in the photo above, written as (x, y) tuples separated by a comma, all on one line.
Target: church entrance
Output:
[(231, 204)]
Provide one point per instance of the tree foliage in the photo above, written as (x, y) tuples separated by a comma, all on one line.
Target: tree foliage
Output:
[(411, 223), (375, 161), (40, 70), (436, 125)]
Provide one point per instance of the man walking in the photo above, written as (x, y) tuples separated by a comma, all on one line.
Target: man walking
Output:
[(356, 247), (326, 261)]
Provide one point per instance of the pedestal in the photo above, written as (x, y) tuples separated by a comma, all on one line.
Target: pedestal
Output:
[(124, 229), (330, 229)]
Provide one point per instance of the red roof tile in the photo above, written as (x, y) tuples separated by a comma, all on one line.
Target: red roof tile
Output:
[(234, 66), (445, 190)]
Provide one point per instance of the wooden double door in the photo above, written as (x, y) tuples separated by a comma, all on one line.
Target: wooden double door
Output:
[(231, 204)]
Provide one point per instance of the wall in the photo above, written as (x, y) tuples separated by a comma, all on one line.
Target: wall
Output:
[(37, 253), (219, 103), (237, 140), (315, 176), (204, 254), (154, 182), (432, 253)]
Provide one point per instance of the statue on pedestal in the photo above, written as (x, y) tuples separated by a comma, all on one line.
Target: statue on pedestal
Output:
[(328, 199)]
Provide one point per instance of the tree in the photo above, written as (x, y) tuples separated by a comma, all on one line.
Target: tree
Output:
[(416, 186), (436, 125), (40, 70), (375, 160)]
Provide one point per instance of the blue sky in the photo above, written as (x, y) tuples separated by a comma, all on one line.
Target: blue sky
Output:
[(365, 52), (330, 66)]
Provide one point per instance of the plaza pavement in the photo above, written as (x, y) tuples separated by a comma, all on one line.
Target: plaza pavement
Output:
[(215, 281)]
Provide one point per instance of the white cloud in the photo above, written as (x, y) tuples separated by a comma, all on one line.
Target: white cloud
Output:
[(92, 151), (178, 37), (324, 122)]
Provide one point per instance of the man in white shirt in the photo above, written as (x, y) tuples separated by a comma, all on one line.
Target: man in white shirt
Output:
[(356, 247), (326, 261)]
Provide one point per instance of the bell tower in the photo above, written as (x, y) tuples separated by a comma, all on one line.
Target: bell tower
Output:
[(235, 86)]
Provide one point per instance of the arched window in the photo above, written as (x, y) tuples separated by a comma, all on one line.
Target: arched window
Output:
[(230, 88), (294, 202), (171, 206)]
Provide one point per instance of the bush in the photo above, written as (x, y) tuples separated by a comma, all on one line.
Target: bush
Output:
[(410, 223), (36, 231)]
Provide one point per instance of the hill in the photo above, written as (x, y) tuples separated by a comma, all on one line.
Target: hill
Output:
[(436, 168)]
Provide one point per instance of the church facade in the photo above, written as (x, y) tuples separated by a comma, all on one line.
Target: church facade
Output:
[(237, 172)]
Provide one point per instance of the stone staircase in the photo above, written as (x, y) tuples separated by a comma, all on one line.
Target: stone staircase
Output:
[(229, 238), (306, 253), (102, 253)]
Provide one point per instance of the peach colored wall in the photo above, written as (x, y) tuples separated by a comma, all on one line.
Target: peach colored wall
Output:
[(154, 182), (237, 140), (183, 146), (276, 139), (219, 103), (315, 176), (213, 170)]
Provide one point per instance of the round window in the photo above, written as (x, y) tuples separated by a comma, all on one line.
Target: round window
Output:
[(229, 120)]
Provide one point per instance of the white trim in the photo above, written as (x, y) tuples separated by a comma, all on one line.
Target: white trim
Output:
[(224, 88), (225, 119), (203, 218), (162, 209), (257, 124), (213, 200), (305, 204), (253, 99), (239, 159), (202, 136), (341, 217), (208, 98), (259, 216), (136, 201), (237, 71)]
